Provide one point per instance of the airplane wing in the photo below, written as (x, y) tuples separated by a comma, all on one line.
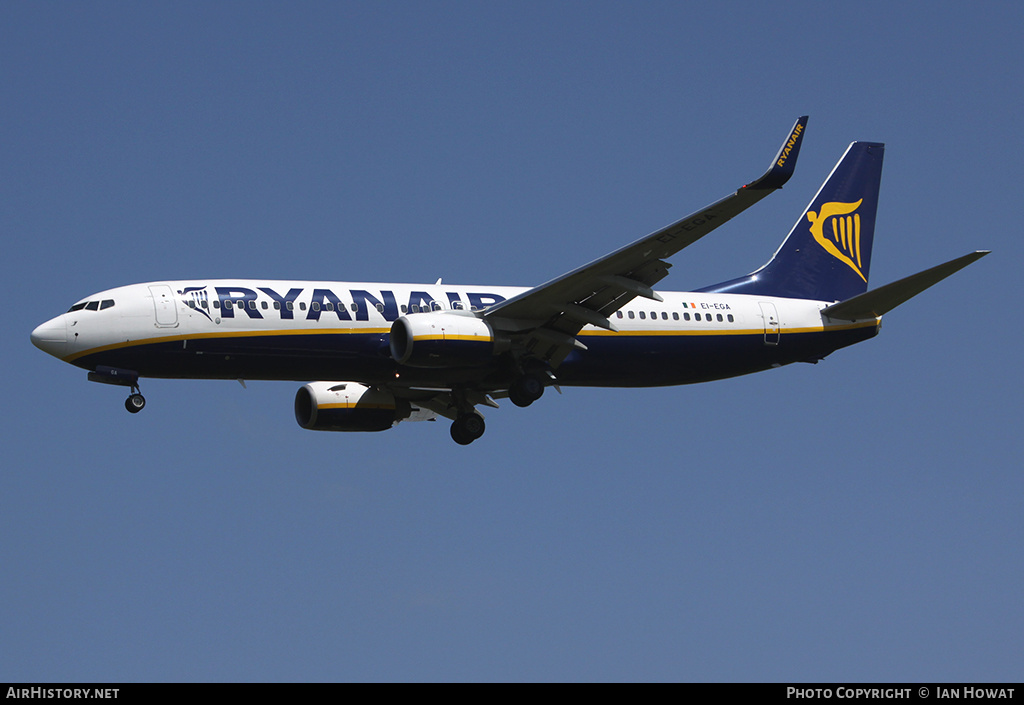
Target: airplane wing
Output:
[(548, 317)]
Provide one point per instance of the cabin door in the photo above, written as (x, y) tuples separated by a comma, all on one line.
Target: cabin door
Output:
[(771, 322), (163, 302)]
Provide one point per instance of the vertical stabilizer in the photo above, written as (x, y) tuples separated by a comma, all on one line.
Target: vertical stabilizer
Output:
[(827, 255)]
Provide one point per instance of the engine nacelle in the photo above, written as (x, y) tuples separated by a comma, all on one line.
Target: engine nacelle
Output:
[(349, 406), (443, 340)]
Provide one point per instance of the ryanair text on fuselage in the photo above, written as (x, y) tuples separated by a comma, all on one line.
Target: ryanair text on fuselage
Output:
[(324, 300)]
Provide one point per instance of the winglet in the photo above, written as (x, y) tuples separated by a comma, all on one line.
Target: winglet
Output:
[(785, 161)]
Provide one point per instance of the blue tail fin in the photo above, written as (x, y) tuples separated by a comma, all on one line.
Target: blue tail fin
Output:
[(827, 255)]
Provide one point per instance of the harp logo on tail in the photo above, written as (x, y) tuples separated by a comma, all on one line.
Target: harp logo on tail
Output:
[(837, 229)]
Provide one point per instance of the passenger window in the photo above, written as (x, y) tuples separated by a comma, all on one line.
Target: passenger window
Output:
[(730, 318), (302, 305), (618, 314), (664, 315), (106, 303), (277, 305), (191, 304), (631, 314), (205, 303), (686, 316), (355, 307), (405, 309), (252, 305), (216, 303), (696, 316), (227, 305), (415, 308), (719, 318), (327, 306), (290, 305), (643, 315), (316, 305), (675, 315), (654, 315), (264, 305), (380, 308)]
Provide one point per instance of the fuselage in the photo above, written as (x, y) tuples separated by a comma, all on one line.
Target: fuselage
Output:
[(305, 330)]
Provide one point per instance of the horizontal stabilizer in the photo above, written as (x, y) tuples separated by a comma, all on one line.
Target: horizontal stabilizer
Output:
[(885, 298)]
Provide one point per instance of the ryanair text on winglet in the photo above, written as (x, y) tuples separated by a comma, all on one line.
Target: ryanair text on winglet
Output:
[(789, 144)]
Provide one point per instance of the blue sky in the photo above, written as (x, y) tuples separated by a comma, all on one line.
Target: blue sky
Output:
[(855, 520)]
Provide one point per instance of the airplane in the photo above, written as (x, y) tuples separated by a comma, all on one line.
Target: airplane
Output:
[(414, 352)]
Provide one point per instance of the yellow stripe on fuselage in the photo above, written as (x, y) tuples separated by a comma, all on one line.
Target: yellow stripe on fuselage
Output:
[(728, 331), (379, 331)]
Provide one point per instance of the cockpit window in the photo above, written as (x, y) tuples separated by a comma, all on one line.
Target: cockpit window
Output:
[(92, 305)]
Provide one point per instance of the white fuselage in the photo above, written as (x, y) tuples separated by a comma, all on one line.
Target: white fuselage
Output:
[(197, 318)]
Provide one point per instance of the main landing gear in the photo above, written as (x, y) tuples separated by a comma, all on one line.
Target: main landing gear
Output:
[(467, 428), (469, 425), (136, 402), (526, 389)]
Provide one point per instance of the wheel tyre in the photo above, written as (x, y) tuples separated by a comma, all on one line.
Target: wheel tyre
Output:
[(467, 428), (526, 390), (473, 425), (459, 435), (515, 395), (135, 403)]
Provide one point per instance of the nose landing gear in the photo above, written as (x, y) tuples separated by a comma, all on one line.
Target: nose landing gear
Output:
[(121, 378)]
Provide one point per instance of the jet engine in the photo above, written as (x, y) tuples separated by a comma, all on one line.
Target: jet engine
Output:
[(350, 406), (444, 340)]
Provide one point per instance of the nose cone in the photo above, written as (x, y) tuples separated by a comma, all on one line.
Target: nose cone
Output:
[(52, 336)]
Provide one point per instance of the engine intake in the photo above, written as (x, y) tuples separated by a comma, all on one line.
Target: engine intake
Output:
[(443, 340)]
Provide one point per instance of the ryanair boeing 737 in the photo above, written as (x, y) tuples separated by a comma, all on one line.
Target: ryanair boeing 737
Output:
[(412, 352)]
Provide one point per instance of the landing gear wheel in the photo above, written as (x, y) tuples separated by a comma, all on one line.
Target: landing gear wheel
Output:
[(526, 390), (467, 428), (135, 403)]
